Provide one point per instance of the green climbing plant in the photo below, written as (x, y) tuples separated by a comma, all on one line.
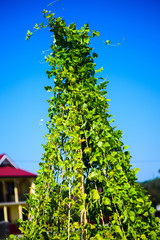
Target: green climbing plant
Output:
[(86, 187)]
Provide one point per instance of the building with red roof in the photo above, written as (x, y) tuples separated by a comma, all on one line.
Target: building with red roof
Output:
[(14, 184)]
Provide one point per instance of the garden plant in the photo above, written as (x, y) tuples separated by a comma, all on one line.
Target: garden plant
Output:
[(86, 187)]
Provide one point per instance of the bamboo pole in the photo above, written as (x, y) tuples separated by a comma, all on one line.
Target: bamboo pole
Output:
[(83, 216)]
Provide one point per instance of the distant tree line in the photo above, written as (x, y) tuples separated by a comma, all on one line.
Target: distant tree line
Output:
[(153, 189)]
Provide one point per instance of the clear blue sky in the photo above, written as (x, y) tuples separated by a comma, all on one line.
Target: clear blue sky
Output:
[(133, 71)]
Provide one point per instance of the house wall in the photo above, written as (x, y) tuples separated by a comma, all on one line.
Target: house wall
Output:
[(12, 205), (13, 214), (10, 187), (23, 188)]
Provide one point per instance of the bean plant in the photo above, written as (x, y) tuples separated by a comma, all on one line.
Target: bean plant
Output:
[(86, 187)]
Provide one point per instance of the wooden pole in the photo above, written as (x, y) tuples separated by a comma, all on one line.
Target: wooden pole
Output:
[(5, 213)]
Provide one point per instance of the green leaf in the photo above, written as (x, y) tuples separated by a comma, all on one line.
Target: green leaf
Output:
[(48, 88), (87, 150), (95, 33), (110, 189), (93, 175), (99, 70), (36, 26), (109, 208), (50, 15), (153, 235), (132, 216), (84, 195), (143, 237), (136, 170), (118, 230), (107, 201), (76, 225), (29, 33), (106, 144), (99, 144), (125, 217), (152, 210), (140, 200), (92, 226), (120, 204), (95, 55), (118, 167), (134, 234), (84, 105), (125, 147), (145, 214), (98, 237), (94, 194), (107, 42), (11, 236)]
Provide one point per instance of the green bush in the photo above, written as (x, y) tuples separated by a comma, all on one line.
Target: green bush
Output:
[(86, 187)]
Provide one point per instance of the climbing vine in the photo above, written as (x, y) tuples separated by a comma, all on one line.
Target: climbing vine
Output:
[(86, 187)]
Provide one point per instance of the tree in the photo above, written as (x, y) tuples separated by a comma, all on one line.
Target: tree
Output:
[(153, 189), (85, 177)]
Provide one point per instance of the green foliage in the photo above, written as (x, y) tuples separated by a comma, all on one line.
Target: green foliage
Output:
[(85, 175)]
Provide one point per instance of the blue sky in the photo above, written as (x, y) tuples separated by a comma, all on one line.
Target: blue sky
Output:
[(131, 68)]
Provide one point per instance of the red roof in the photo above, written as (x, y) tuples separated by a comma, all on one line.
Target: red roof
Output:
[(8, 171), (1, 155)]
